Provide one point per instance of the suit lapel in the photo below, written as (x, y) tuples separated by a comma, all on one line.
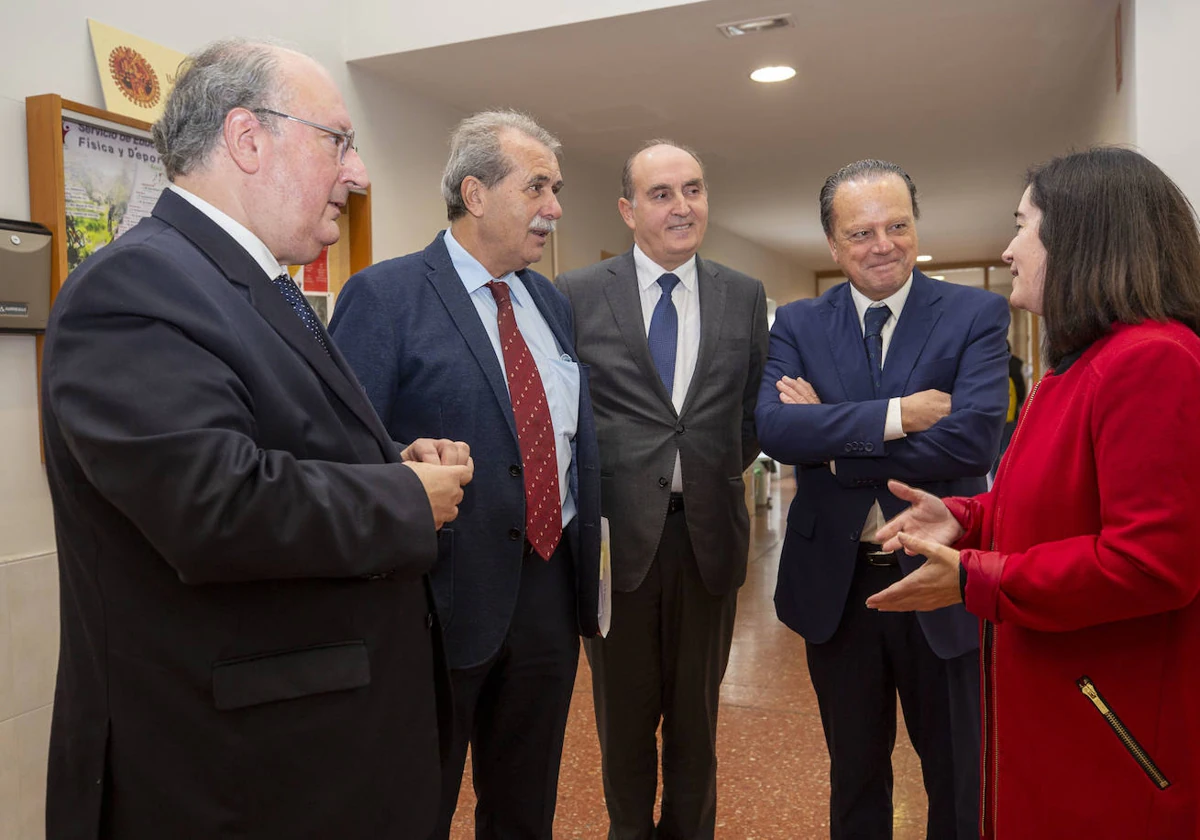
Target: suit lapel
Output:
[(450, 289), (240, 268), (912, 332), (845, 336), (625, 301), (712, 290)]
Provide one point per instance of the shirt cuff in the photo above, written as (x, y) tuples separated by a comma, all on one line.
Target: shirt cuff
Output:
[(893, 426)]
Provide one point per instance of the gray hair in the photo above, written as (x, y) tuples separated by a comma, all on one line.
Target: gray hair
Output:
[(227, 74), (475, 151), (627, 171), (863, 170)]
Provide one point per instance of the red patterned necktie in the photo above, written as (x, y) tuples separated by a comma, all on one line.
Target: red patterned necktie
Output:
[(535, 432)]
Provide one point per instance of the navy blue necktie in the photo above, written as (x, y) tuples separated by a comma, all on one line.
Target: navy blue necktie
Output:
[(873, 320), (664, 332), (292, 294)]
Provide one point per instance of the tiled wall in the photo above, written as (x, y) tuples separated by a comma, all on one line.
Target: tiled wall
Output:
[(28, 660)]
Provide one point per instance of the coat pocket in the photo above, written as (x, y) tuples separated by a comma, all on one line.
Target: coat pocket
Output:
[(290, 674), (1089, 690)]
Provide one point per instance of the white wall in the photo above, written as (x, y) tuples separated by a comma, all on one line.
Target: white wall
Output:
[(1166, 81), (1110, 118), (380, 27), (784, 279), (590, 222)]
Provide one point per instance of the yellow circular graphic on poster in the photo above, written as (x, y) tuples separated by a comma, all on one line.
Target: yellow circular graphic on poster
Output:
[(134, 76)]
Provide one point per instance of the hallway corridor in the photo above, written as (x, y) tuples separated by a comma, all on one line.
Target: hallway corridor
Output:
[(774, 770)]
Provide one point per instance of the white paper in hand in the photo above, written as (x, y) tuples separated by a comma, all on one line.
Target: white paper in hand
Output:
[(604, 613)]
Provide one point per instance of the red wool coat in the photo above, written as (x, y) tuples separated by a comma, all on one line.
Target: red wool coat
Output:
[(1084, 561)]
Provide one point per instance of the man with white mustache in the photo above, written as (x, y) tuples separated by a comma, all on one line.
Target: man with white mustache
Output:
[(463, 336)]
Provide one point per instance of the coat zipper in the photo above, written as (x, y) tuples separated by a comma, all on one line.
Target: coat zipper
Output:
[(990, 736), (1131, 744), (988, 665)]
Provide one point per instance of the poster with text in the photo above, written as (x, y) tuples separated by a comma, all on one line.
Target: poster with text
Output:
[(113, 179)]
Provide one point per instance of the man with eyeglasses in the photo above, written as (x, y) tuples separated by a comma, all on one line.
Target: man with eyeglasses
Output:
[(344, 140), (248, 642), (464, 339)]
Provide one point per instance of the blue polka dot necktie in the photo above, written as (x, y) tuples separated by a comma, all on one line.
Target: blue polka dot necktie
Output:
[(292, 294), (664, 332), (873, 320)]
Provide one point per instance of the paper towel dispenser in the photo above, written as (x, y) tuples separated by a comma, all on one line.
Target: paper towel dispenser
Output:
[(25, 249)]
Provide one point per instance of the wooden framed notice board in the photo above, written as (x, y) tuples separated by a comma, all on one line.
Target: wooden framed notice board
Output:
[(94, 174)]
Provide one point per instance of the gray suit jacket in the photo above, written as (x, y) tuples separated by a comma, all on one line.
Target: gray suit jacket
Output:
[(639, 430)]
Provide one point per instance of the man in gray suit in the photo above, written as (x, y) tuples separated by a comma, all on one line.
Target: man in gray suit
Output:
[(677, 345)]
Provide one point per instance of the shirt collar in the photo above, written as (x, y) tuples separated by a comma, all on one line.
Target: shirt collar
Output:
[(648, 271), (474, 276), (894, 302), (254, 246)]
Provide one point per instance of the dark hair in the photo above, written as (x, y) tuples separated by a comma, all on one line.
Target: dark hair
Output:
[(862, 170), (1121, 247), (627, 171)]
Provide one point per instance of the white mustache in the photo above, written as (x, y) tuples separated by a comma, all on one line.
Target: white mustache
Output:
[(542, 225)]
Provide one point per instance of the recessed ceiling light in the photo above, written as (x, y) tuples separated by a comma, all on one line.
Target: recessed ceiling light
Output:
[(937, 277), (773, 74), (924, 258)]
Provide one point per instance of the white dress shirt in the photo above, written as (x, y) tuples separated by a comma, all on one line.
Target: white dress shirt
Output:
[(893, 427), (686, 297), (559, 374), (240, 233)]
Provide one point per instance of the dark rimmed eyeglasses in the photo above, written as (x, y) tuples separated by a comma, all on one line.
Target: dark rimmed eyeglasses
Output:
[(345, 138)]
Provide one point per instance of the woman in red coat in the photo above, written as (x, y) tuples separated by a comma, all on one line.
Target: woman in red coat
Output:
[(1084, 559)]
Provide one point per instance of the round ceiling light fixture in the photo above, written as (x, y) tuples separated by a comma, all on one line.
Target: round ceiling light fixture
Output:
[(925, 258), (773, 74)]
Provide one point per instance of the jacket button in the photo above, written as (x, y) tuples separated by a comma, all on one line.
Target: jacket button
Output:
[(849, 447), (662, 482), (514, 470), (854, 536), (870, 447), (514, 534), (679, 429)]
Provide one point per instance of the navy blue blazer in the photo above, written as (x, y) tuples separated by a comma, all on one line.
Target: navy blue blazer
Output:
[(948, 337), (241, 555), (410, 331)]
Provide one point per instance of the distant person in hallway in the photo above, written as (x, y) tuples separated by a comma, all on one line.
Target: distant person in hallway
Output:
[(248, 646), (1016, 398), (1082, 559), (891, 374), (463, 337), (676, 344)]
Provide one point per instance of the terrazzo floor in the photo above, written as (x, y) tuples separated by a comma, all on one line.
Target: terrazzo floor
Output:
[(773, 766)]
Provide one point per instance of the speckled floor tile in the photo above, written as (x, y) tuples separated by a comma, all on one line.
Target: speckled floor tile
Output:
[(773, 771)]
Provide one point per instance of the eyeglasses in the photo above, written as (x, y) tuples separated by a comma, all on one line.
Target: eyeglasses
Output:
[(345, 138)]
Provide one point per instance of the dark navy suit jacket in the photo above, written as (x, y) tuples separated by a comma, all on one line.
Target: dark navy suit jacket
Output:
[(948, 337), (245, 617), (412, 334)]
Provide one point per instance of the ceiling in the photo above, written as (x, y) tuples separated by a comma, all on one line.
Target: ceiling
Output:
[(964, 94)]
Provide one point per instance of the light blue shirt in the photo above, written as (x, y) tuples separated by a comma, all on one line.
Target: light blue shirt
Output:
[(560, 375)]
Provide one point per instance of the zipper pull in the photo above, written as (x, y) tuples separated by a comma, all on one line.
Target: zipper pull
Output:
[(1086, 686)]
